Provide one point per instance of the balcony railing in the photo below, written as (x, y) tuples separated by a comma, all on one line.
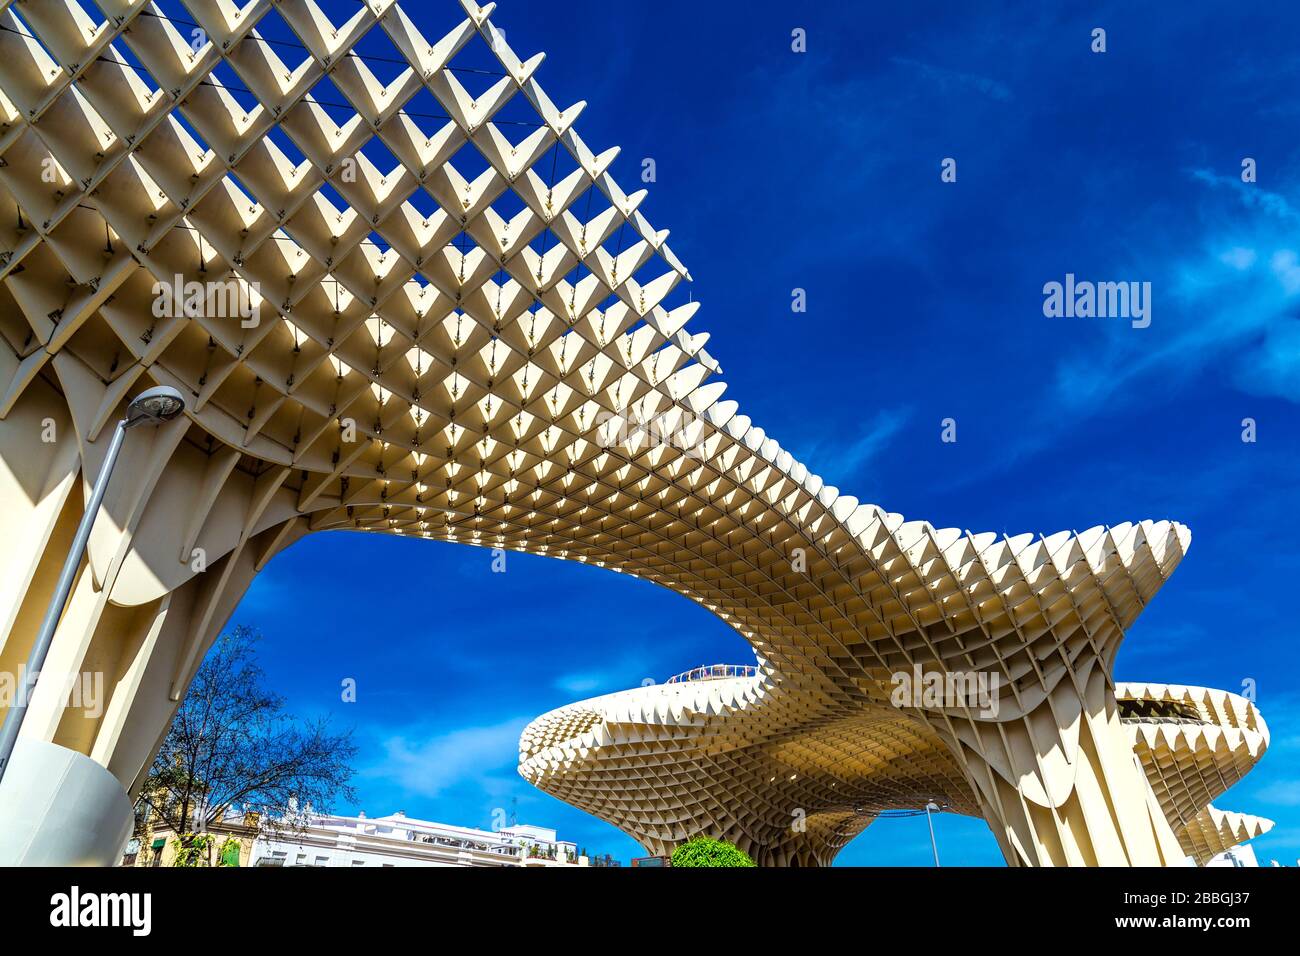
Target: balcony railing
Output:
[(715, 672)]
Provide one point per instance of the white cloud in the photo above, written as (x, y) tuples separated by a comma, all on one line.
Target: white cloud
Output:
[(1231, 303), (435, 765), (1284, 793), (580, 683), (946, 79), (1284, 267), (837, 461), (1239, 258)]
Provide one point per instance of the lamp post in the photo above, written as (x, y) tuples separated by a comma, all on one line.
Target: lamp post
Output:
[(930, 820), (151, 407)]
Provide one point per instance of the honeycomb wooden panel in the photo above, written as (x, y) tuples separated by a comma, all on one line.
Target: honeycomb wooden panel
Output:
[(404, 296)]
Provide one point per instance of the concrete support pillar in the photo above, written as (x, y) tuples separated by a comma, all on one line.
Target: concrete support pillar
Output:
[(60, 808), (1061, 785), (181, 534)]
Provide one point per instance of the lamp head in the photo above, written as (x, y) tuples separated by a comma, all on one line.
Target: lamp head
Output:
[(154, 406)]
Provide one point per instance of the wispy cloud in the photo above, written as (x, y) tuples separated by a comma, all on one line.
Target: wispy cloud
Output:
[(1232, 302), (1226, 305), (630, 669), (837, 461), (1251, 194), (430, 767), (948, 79), (583, 683), (1283, 793)]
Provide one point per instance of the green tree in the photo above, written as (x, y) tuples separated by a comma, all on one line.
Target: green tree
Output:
[(706, 851), (228, 853), (232, 747)]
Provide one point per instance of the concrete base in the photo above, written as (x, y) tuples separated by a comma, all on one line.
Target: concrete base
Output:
[(60, 808)]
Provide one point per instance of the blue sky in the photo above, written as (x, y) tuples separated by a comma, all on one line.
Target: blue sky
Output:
[(821, 171)]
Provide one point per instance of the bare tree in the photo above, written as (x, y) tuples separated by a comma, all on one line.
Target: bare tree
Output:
[(231, 747)]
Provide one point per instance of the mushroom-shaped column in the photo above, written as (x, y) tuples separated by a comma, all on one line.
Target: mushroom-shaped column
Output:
[(1043, 748)]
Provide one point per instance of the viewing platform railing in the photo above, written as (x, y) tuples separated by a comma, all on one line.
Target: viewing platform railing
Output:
[(714, 672)]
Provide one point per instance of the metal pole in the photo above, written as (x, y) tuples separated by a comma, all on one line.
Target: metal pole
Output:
[(928, 819), (36, 660)]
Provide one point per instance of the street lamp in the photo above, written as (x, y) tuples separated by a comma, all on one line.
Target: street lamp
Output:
[(151, 407), (928, 819)]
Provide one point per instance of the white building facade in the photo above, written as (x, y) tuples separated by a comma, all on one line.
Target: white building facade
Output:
[(399, 840)]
